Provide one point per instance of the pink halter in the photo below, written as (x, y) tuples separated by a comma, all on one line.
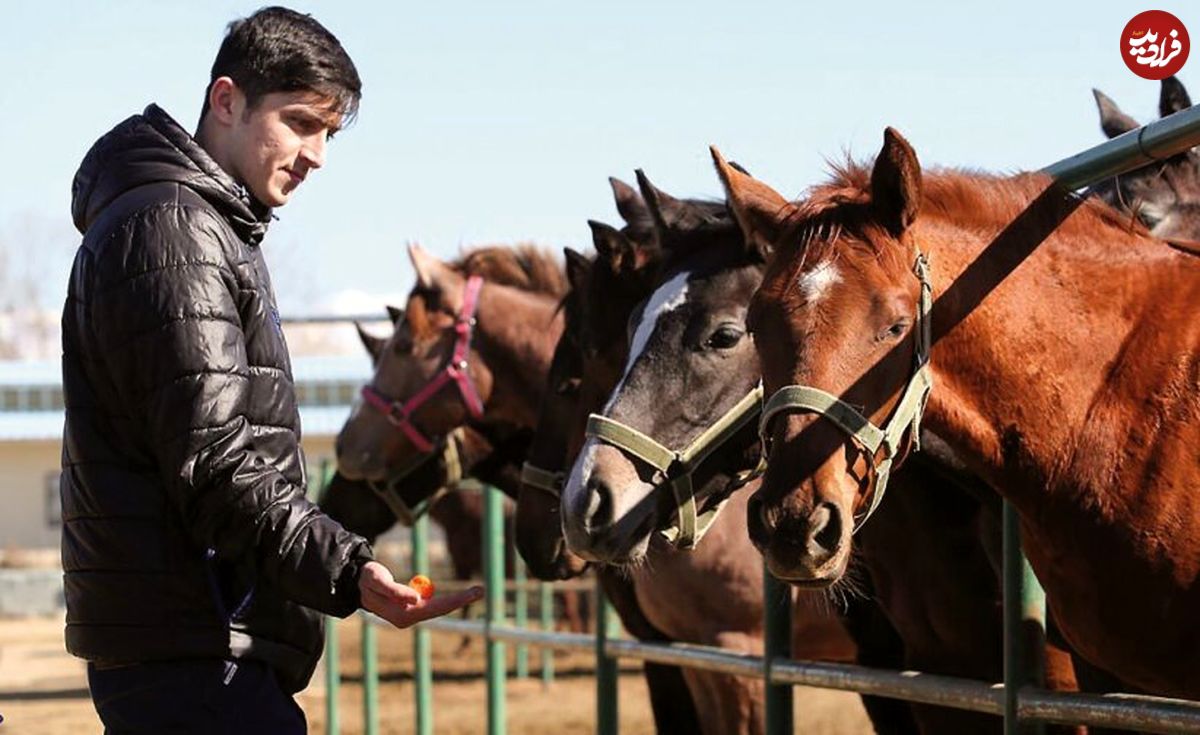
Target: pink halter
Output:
[(398, 413)]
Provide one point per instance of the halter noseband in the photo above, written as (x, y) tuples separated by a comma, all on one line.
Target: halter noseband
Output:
[(675, 468), (905, 418), (452, 473), (399, 414)]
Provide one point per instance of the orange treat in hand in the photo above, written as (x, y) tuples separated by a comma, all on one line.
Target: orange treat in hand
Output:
[(423, 585)]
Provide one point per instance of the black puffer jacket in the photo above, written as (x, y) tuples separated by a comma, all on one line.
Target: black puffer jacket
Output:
[(186, 532)]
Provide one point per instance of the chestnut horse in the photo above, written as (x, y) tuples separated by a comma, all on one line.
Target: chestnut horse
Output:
[(1063, 355)]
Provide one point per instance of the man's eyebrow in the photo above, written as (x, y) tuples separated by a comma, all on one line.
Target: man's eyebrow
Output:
[(331, 119)]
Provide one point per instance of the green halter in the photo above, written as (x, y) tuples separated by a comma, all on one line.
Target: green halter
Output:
[(452, 474), (906, 417), (541, 479), (675, 468)]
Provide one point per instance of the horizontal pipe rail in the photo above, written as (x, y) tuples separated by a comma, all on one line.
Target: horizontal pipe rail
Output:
[(1148, 714), (1157, 141), (912, 686), (1123, 711)]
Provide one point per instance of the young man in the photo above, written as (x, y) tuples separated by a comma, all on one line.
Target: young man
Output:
[(196, 571)]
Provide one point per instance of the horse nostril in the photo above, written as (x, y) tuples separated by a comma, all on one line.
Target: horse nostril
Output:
[(599, 496), (824, 530)]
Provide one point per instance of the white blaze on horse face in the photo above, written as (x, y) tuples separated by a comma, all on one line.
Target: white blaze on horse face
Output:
[(816, 281), (668, 297)]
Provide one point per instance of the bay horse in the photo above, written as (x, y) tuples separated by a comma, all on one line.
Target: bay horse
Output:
[(1063, 360), (711, 594), (1165, 195), (504, 333), (370, 508)]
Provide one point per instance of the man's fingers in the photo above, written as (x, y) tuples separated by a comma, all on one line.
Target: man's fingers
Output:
[(393, 590), (441, 604)]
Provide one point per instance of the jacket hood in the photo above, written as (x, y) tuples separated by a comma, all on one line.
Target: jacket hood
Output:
[(152, 148)]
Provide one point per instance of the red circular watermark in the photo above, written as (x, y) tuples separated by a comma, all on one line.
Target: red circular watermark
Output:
[(1155, 44)]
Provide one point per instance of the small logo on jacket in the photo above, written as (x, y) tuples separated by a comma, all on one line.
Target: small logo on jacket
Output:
[(277, 320)]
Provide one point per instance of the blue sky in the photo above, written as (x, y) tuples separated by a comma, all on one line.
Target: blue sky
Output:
[(498, 122)]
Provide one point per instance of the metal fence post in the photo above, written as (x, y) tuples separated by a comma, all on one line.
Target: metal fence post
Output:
[(370, 677), (493, 544), (1024, 625), (422, 649), (546, 613), (333, 677), (333, 673), (521, 614), (606, 667), (777, 611)]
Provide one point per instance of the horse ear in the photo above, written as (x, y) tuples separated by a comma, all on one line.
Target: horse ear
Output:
[(395, 313), (1112, 121), (758, 208), (630, 204), (373, 344), (665, 210), (611, 245), (434, 275), (896, 182), (578, 267), (1173, 97)]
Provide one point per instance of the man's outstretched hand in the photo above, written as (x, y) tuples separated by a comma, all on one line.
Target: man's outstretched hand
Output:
[(400, 604)]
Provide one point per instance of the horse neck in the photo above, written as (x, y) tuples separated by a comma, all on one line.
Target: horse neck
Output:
[(517, 333), (1025, 342)]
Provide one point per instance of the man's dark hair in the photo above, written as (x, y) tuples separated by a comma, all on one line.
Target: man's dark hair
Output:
[(280, 50)]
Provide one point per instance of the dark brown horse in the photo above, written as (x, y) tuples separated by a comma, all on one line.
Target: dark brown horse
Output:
[(1064, 362), (711, 594), (1165, 195)]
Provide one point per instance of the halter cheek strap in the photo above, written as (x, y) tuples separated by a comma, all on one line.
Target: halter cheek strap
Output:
[(675, 468), (905, 419), (399, 414), (548, 482), (452, 473)]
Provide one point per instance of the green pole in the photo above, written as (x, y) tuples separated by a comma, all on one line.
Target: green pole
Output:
[(493, 543), (606, 667), (333, 674), (1024, 624), (777, 614), (333, 677), (522, 616), (546, 613), (422, 649), (370, 669)]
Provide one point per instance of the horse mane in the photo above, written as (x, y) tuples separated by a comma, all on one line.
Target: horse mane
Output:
[(969, 199), (524, 266)]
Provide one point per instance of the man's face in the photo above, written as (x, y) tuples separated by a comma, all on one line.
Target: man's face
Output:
[(278, 142)]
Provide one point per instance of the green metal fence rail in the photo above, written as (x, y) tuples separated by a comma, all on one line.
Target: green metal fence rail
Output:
[(1020, 700)]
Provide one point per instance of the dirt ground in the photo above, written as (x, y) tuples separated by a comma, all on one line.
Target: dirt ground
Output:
[(44, 691)]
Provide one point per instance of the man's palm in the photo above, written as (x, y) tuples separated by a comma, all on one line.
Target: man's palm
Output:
[(400, 604)]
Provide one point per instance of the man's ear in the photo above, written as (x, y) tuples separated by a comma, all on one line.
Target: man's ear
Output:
[(226, 102), (435, 276)]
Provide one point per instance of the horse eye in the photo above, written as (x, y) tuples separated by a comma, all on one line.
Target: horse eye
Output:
[(724, 338), (895, 331)]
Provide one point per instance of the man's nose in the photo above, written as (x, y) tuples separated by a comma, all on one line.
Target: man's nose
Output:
[(313, 150)]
